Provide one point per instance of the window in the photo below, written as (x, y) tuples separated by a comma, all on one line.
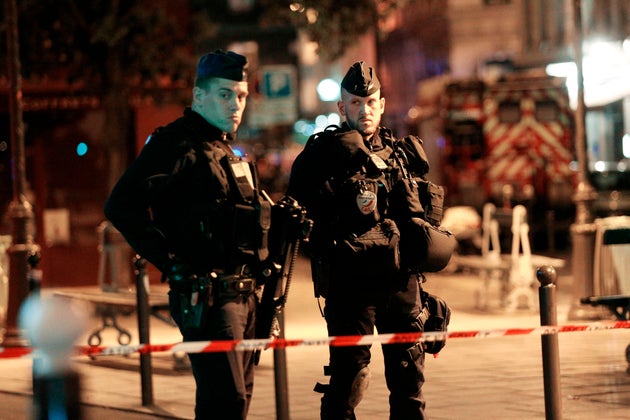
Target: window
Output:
[(547, 111), (509, 112)]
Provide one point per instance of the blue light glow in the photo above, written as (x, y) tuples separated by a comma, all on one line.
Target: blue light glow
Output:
[(82, 149)]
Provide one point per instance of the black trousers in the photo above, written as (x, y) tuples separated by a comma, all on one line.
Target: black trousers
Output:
[(224, 380), (359, 312)]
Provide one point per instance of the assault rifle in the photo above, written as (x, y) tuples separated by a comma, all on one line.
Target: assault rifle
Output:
[(289, 226)]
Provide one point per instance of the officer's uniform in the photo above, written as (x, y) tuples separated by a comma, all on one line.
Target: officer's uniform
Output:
[(180, 206), (356, 304)]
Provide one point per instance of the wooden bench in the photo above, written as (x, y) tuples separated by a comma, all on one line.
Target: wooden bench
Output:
[(114, 295), (111, 304)]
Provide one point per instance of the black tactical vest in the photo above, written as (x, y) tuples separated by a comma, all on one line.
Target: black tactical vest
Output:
[(210, 210)]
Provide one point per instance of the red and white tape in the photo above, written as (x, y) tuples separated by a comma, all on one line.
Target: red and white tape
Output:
[(338, 341)]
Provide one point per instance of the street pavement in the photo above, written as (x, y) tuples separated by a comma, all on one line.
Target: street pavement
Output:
[(490, 376)]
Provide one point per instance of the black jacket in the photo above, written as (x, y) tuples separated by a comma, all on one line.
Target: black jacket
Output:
[(320, 170), (166, 201), (336, 155)]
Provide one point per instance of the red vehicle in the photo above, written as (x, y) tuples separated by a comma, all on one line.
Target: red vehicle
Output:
[(510, 142)]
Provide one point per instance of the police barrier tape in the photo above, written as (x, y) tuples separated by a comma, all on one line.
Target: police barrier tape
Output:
[(337, 341)]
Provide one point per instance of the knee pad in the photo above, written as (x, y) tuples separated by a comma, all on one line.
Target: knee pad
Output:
[(359, 386)]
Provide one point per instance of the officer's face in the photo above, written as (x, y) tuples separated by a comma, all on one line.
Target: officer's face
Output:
[(221, 103), (362, 113)]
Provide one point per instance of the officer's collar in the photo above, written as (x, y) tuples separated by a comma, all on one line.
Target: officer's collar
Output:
[(204, 128), (375, 143)]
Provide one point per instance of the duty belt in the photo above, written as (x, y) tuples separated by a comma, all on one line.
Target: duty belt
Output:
[(239, 282), (243, 270), (217, 282), (234, 283)]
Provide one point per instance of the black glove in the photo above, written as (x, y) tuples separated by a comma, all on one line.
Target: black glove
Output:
[(439, 318)]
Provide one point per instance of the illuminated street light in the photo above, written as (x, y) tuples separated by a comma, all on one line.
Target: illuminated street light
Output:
[(606, 66), (328, 90)]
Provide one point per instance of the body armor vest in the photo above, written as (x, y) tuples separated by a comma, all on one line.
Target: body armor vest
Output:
[(210, 209)]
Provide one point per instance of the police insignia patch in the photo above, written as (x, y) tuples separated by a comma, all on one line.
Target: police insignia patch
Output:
[(366, 202)]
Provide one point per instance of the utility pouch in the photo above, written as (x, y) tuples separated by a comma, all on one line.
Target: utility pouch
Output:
[(405, 197), (372, 254), (434, 196), (245, 228), (418, 206), (194, 306), (417, 197)]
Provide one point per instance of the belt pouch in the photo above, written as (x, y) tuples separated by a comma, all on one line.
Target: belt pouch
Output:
[(195, 305), (245, 228)]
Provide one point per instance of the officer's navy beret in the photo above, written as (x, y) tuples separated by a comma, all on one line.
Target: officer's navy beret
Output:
[(361, 80), (226, 65)]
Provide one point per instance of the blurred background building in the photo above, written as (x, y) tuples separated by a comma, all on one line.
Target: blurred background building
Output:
[(471, 77)]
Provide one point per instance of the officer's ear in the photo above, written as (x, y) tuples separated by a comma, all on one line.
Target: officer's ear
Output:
[(342, 108), (198, 94)]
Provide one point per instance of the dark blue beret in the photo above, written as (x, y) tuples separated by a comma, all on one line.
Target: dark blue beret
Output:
[(226, 65), (361, 80)]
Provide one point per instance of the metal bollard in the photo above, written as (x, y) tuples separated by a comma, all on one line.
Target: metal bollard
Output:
[(281, 376), (34, 272), (144, 311), (550, 354)]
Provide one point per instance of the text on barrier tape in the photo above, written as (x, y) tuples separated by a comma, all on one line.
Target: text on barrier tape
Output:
[(336, 341)]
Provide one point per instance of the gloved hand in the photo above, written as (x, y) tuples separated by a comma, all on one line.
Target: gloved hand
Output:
[(439, 318)]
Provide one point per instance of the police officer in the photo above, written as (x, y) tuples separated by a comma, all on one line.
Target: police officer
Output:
[(358, 300), (191, 207)]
